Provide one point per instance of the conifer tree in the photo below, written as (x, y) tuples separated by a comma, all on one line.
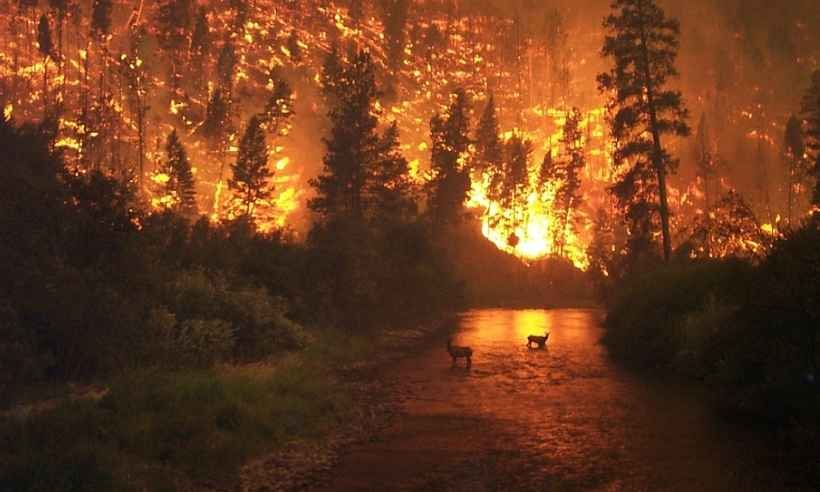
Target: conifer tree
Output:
[(200, 49), (225, 67), (180, 182), (251, 180), (447, 189), (795, 151), (567, 195), (173, 26), (394, 17), (488, 142), (294, 48), (352, 144), (705, 160), (390, 189), (279, 109), (811, 115), (643, 44), (515, 183), (46, 47)]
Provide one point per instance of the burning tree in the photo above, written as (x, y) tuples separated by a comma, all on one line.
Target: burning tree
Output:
[(251, 174), (489, 157), (179, 178), (515, 183), (644, 44), (568, 175), (811, 112)]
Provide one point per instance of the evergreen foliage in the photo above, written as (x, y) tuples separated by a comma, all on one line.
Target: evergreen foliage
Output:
[(643, 44)]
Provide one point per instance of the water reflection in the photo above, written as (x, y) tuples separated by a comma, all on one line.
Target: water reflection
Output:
[(564, 418)]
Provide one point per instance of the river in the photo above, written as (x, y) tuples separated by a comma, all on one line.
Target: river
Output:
[(562, 418)]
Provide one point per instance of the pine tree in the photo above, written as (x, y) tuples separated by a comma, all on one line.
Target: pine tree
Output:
[(489, 161), (332, 68), (352, 143), (643, 44), (705, 160), (394, 17), (390, 189), (251, 180), (515, 183), (279, 109), (447, 189), (173, 26), (811, 115), (46, 47), (294, 48), (795, 151), (600, 252), (556, 42), (180, 182), (225, 67), (216, 125), (567, 195), (200, 49)]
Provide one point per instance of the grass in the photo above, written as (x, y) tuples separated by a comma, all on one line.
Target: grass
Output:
[(155, 427)]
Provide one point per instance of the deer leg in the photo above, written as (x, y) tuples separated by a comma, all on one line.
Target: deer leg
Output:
[(469, 362)]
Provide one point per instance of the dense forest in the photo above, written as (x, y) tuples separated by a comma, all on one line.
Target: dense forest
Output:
[(191, 185)]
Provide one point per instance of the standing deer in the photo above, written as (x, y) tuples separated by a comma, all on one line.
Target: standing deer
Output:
[(456, 352)]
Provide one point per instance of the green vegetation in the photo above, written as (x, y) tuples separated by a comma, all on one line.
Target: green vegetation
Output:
[(167, 429)]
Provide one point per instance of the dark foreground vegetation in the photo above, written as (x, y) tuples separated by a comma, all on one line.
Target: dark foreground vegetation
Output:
[(164, 315), (748, 331)]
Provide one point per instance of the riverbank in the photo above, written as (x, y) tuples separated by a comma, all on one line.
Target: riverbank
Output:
[(273, 425), (746, 332)]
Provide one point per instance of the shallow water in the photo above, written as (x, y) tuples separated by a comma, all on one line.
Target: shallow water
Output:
[(562, 418)]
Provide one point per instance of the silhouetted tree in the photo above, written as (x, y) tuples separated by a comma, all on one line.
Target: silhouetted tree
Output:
[(225, 68), (279, 109), (515, 184), (352, 146), (567, 194), (811, 114), (173, 27), (450, 182), (394, 17), (46, 47), (489, 161), (200, 49), (294, 48), (795, 151), (180, 182), (643, 44), (251, 180)]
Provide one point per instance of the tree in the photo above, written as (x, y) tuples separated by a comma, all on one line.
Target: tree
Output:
[(173, 26), (294, 48), (279, 109), (352, 143), (705, 159), (450, 181), (101, 17), (180, 183), (200, 48), (811, 115), (556, 44), (225, 67), (394, 18), (515, 183), (601, 252), (251, 180), (489, 158), (795, 150), (390, 189), (643, 44), (567, 194), (46, 47)]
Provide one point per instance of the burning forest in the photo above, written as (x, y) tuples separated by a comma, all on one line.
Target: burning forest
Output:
[(198, 194), (116, 79)]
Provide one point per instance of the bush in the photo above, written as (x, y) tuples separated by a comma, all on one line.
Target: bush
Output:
[(646, 321)]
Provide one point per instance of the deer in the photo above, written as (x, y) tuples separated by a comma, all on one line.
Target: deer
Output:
[(457, 352), (539, 341)]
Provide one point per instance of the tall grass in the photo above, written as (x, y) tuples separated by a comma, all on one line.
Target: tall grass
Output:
[(204, 424)]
